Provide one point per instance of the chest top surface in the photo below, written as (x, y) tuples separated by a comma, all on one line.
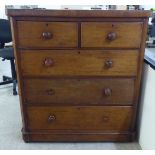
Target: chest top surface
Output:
[(79, 13)]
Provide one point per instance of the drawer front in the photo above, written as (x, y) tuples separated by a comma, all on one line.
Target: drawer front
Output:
[(79, 91), (47, 34), (80, 118), (111, 34), (84, 63)]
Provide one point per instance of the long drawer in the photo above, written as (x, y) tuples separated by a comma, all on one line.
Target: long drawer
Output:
[(47, 34), (80, 118), (82, 63), (111, 34), (93, 91)]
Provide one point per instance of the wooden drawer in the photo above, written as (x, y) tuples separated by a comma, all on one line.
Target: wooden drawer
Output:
[(47, 34), (111, 34), (80, 118), (81, 63), (80, 91)]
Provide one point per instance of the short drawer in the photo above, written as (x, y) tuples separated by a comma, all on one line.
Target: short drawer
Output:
[(79, 63), (92, 91), (80, 118), (47, 34), (111, 34)]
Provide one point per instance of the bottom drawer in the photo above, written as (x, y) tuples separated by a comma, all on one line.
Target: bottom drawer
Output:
[(105, 118)]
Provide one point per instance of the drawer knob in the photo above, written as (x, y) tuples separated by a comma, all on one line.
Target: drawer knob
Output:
[(108, 64), (50, 92), (111, 36), (107, 92), (47, 35), (48, 62), (51, 118)]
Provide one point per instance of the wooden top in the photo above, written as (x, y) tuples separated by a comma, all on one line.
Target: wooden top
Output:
[(78, 13)]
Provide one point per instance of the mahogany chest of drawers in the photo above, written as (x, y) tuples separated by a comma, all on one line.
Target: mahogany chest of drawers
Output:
[(79, 73)]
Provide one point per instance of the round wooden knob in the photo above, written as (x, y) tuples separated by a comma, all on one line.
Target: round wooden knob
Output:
[(48, 62), (108, 92), (47, 35), (51, 118), (111, 36), (50, 92), (108, 63)]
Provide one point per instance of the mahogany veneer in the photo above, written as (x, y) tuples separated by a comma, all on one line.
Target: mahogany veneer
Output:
[(79, 73)]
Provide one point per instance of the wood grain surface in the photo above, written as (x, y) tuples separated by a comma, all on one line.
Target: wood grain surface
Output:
[(79, 63), (83, 91), (79, 73), (63, 34), (80, 118), (79, 13), (95, 34)]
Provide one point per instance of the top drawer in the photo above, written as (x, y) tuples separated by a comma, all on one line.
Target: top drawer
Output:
[(47, 34), (111, 34)]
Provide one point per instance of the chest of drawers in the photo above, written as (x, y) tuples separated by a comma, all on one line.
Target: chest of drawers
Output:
[(79, 73)]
